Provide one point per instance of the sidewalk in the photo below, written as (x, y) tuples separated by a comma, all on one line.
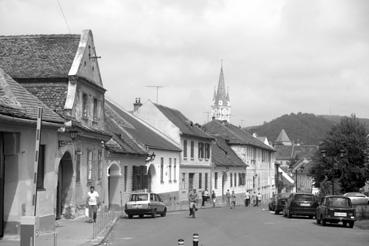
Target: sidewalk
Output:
[(70, 232)]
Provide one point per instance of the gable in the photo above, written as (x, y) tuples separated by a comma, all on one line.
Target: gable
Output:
[(85, 63)]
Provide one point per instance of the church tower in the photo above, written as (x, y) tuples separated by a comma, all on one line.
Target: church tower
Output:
[(221, 108)]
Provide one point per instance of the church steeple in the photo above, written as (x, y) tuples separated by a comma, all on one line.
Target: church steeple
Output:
[(221, 108)]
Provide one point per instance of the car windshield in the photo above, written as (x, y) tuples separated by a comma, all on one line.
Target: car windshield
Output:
[(138, 197), (354, 194), (338, 202), (304, 197), (284, 195)]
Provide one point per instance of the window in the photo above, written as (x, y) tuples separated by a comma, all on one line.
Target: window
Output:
[(84, 106), (95, 110), (235, 179), (207, 151), (78, 167), (175, 170), (200, 150), (41, 168), (162, 170), (192, 149), (200, 180), (125, 178), (206, 180), (89, 166), (231, 179), (216, 180), (99, 165), (184, 149), (170, 169)]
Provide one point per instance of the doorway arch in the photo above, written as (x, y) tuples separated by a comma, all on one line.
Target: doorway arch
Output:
[(114, 174), (63, 190)]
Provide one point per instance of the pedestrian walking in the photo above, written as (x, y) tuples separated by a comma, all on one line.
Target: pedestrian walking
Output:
[(228, 198), (255, 199), (202, 198), (192, 200), (247, 199), (213, 198), (233, 200), (92, 203), (259, 199)]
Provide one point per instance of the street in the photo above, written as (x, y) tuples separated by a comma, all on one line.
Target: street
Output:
[(240, 226)]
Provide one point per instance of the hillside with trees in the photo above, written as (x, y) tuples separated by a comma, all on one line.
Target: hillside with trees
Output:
[(301, 127)]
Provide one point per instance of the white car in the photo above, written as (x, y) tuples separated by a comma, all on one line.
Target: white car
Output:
[(145, 203), (357, 198)]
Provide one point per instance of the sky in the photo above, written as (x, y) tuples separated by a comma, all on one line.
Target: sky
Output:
[(279, 56)]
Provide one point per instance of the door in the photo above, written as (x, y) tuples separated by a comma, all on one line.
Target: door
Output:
[(190, 180), (2, 176)]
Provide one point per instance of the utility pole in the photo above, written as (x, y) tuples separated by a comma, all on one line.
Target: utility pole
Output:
[(157, 90)]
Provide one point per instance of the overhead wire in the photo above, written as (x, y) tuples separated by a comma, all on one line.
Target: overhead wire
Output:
[(63, 15)]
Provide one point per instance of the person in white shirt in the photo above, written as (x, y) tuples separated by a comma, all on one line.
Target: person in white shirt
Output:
[(247, 199), (92, 203)]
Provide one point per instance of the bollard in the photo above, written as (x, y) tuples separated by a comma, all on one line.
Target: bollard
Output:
[(195, 239), (180, 242)]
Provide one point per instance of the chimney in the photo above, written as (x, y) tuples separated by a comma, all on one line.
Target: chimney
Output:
[(137, 104)]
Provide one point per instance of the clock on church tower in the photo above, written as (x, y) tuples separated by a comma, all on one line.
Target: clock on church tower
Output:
[(221, 108)]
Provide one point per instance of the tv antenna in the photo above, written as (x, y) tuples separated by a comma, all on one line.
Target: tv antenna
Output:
[(157, 90)]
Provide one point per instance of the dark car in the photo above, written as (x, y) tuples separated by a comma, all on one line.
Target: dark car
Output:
[(145, 203), (303, 204), (335, 209), (280, 202)]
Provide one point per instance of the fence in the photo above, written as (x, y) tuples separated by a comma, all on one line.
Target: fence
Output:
[(104, 220)]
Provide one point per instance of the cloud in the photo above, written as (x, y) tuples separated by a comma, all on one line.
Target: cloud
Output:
[(280, 56)]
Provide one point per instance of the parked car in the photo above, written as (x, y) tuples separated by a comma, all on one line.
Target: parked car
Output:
[(145, 203), (335, 209), (357, 198), (280, 202), (300, 204)]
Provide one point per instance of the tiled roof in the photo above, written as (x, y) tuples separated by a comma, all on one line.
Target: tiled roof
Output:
[(184, 124), (137, 131), (38, 56), (16, 101), (122, 141), (234, 134), (283, 152), (53, 94), (295, 151), (224, 156)]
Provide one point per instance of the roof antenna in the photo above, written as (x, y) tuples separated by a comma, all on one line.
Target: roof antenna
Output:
[(65, 19), (157, 90)]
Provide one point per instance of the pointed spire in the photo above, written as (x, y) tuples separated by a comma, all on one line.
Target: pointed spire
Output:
[(221, 92), (283, 138)]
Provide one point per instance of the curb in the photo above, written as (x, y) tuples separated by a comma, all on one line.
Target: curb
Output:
[(100, 239)]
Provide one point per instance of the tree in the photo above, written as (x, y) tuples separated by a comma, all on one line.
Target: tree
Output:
[(343, 163)]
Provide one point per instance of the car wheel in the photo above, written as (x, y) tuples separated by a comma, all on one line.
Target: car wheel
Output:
[(130, 216), (164, 213), (141, 215), (351, 224), (276, 212)]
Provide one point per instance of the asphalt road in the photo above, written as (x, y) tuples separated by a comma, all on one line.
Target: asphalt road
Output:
[(240, 226)]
